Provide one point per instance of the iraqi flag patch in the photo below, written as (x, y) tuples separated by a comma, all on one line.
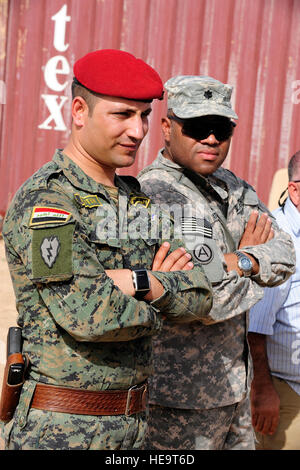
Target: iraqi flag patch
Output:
[(48, 215)]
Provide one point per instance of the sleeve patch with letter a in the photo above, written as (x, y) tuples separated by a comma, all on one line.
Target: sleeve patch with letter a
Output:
[(203, 253)]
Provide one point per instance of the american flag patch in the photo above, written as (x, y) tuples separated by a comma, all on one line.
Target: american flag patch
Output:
[(48, 215), (193, 225)]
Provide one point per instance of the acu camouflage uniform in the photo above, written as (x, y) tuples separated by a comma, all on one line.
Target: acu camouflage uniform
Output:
[(79, 329), (205, 366)]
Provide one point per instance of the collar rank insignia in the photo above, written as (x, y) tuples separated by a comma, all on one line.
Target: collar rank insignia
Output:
[(88, 201), (49, 250), (135, 200), (48, 215)]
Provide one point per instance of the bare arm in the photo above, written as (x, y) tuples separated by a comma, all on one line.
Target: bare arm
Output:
[(265, 402), (178, 260)]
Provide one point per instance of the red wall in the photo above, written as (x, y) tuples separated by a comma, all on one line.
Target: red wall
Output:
[(250, 44)]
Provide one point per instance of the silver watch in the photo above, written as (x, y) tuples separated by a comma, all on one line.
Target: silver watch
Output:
[(244, 263)]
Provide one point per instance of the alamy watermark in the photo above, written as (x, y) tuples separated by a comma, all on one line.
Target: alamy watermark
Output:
[(156, 222)]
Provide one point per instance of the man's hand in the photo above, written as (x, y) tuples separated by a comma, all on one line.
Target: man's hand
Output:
[(265, 402), (257, 232), (178, 260), (265, 406)]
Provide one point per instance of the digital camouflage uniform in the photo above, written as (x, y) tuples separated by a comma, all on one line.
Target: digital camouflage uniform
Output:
[(202, 371), (79, 329), (205, 366)]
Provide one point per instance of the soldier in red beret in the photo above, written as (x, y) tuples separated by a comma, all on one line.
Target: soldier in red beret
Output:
[(91, 283)]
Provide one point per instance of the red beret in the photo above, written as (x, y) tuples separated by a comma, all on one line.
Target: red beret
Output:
[(117, 73)]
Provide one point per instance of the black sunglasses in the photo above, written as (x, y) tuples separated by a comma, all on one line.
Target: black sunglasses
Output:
[(203, 127)]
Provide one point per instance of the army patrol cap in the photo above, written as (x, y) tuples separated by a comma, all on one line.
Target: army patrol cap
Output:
[(192, 96), (118, 73)]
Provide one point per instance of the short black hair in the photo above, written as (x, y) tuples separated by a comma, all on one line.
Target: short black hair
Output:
[(90, 97)]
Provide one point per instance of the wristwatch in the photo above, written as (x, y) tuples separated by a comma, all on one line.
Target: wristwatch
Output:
[(141, 283), (244, 263)]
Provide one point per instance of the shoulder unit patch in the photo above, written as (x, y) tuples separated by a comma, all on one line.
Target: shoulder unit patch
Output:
[(89, 201), (135, 200)]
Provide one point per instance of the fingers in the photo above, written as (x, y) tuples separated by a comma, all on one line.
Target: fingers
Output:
[(248, 237), (258, 422), (251, 224), (265, 421), (274, 424), (160, 256), (178, 260), (258, 230), (271, 235), (263, 228), (263, 425), (187, 267), (183, 263), (254, 420)]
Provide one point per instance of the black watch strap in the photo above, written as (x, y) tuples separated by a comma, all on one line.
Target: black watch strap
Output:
[(141, 283)]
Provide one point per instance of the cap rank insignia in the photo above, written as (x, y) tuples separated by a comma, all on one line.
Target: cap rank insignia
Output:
[(208, 94)]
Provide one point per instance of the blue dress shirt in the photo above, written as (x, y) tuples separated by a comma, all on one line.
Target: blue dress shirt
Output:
[(277, 314)]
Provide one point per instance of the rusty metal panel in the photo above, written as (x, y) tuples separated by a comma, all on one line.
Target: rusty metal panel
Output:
[(3, 39), (251, 44)]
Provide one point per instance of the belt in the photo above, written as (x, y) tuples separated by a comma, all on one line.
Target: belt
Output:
[(87, 402)]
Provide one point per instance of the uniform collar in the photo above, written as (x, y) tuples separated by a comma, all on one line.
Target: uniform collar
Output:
[(78, 178)]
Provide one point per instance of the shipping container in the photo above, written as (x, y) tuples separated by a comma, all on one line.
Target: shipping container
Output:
[(250, 44)]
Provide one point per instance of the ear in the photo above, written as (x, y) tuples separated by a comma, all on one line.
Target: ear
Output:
[(166, 128), (79, 111), (294, 193)]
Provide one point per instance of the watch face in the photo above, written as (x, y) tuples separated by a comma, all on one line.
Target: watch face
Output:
[(142, 280), (245, 263)]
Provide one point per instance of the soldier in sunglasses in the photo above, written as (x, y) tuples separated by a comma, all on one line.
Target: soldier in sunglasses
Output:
[(199, 393)]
